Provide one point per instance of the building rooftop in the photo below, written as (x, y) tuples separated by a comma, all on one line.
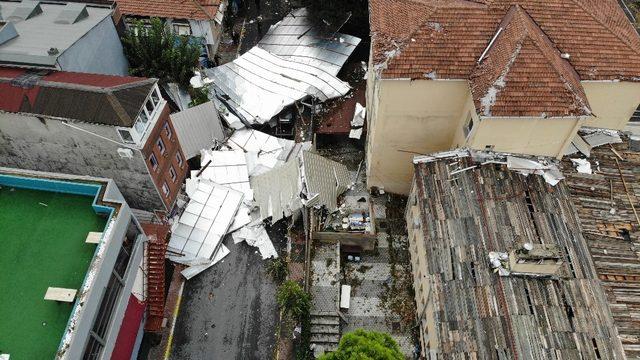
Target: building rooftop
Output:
[(36, 34), (102, 99), (522, 73), (607, 203), (44, 246), (508, 40), (171, 9), (550, 302)]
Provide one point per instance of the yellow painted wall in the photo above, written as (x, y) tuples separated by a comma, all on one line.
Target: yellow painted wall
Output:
[(415, 117), (612, 103), (532, 136), (469, 110), (408, 118)]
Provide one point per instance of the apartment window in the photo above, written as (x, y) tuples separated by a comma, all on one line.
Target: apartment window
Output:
[(165, 189), (154, 161), (182, 28), (167, 130), (155, 97), (161, 146), (468, 126), (174, 175), (112, 292), (149, 106), (179, 159), (126, 136)]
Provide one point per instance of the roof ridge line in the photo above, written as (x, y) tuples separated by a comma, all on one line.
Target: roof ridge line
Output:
[(435, 5), (565, 81), (92, 88), (197, 2), (596, 18), (545, 38)]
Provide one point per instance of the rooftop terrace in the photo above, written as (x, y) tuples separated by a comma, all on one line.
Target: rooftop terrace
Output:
[(43, 245)]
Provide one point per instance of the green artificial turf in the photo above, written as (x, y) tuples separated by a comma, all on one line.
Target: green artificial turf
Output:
[(40, 246)]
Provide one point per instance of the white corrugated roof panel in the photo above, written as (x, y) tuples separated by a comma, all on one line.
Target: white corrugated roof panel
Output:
[(259, 85), (295, 38), (197, 128), (205, 221)]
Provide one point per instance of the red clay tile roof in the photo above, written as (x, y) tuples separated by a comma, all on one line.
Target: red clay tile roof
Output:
[(170, 9), (444, 38), (523, 74)]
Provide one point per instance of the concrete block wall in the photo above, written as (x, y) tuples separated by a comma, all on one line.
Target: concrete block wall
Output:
[(29, 142)]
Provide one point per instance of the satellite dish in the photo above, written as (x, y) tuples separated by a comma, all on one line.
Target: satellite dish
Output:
[(528, 246)]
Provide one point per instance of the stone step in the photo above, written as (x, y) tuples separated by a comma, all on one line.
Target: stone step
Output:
[(325, 329), (323, 313), (322, 348), (325, 338), (325, 320)]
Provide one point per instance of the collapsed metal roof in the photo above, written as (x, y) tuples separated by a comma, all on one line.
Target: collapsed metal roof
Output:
[(294, 60), (199, 231), (296, 38), (197, 128), (258, 85)]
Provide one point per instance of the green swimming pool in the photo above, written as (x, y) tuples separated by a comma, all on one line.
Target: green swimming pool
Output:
[(42, 244)]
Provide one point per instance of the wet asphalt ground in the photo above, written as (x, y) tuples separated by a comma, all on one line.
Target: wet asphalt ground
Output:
[(229, 311)]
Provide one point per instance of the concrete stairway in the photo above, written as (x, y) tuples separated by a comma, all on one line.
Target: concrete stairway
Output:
[(325, 330)]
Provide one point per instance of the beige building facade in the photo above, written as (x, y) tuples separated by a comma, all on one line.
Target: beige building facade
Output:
[(424, 97), (418, 117)]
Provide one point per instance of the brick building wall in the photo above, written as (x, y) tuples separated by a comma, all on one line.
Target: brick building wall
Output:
[(169, 169)]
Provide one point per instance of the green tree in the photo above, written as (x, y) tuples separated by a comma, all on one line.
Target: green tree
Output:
[(293, 300), (155, 51), (365, 345), (278, 270), (198, 95)]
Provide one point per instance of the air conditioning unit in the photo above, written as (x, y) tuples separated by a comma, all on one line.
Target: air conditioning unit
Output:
[(125, 153)]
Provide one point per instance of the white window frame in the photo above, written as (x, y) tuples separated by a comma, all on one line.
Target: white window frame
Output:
[(167, 130), (146, 118), (161, 146), (181, 28), (132, 134), (157, 163), (165, 189), (179, 159), (173, 173), (468, 126)]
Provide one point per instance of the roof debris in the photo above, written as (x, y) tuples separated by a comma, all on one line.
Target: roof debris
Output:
[(357, 124), (253, 177), (197, 128), (296, 38), (273, 82)]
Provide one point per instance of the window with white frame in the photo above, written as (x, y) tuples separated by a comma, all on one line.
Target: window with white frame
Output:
[(161, 146), (126, 136), (179, 159), (182, 28), (165, 189), (468, 126), (147, 113), (174, 175), (155, 96), (154, 161), (167, 130)]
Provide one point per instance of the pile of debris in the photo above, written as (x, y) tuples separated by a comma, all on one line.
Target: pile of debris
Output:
[(252, 178), (586, 140), (294, 62)]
